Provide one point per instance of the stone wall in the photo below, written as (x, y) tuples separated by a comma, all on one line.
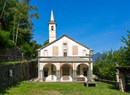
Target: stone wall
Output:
[(14, 73)]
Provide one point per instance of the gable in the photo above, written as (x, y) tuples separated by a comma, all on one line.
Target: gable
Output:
[(65, 38)]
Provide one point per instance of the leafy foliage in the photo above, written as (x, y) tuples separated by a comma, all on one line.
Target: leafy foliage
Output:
[(104, 66), (127, 48), (30, 49), (16, 26), (4, 39), (46, 42)]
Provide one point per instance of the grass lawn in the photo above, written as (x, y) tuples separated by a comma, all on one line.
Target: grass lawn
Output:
[(68, 88)]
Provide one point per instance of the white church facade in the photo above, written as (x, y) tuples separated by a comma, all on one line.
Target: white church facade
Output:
[(64, 59)]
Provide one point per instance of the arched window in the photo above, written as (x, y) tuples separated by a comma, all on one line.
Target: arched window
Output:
[(52, 27)]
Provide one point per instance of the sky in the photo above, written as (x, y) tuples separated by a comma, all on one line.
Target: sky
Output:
[(98, 24)]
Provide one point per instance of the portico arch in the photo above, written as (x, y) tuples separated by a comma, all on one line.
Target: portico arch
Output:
[(66, 72), (82, 72), (49, 72)]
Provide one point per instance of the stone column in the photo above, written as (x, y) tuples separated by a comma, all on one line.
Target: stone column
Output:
[(40, 72), (90, 73), (58, 75), (41, 76), (58, 72), (117, 77), (121, 82), (90, 69), (74, 71), (74, 75)]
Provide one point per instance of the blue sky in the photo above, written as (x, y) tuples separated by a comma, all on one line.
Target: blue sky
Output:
[(99, 24)]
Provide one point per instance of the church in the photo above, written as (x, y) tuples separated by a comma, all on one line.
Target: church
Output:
[(64, 59)]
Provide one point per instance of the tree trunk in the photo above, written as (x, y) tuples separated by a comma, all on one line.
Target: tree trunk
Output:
[(16, 35), (3, 9), (14, 32)]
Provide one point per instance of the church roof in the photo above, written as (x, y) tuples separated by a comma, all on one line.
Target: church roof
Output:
[(61, 38)]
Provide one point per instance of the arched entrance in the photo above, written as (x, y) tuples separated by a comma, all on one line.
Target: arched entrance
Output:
[(66, 72), (49, 72), (82, 71)]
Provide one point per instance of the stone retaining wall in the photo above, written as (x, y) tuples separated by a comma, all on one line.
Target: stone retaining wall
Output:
[(13, 73)]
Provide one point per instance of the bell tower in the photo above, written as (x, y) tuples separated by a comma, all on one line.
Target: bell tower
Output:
[(52, 28)]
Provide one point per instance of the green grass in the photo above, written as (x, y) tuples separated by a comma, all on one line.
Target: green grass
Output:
[(68, 88)]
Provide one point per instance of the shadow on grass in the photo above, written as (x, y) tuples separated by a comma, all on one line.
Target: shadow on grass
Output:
[(3, 89), (113, 86)]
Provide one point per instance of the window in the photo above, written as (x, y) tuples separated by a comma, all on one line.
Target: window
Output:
[(65, 49), (52, 27), (65, 54), (64, 45), (74, 50), (45, 52), (55, 51), (84, 52)]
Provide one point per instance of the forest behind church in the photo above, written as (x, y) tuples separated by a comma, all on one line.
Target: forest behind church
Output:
[(16, 26)]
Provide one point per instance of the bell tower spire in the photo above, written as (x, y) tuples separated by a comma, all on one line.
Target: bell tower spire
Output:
[(52, 28), (52, 16)]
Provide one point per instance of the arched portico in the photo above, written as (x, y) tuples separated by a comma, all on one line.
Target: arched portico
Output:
[(82, 72), (66, 72), (49, 72), (65, 69)]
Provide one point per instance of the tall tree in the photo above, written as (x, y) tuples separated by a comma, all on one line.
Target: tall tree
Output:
[(127, 47), (16, 26), (16, 17)]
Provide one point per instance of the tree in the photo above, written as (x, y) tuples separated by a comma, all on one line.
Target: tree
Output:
[(30, 49), (46, 42), (104, 66), (127, 48), (4, 39), (16, 19), (16, 26)]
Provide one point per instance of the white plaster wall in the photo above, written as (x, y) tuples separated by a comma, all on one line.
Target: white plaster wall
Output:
[(59, 43), (54, 27)]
